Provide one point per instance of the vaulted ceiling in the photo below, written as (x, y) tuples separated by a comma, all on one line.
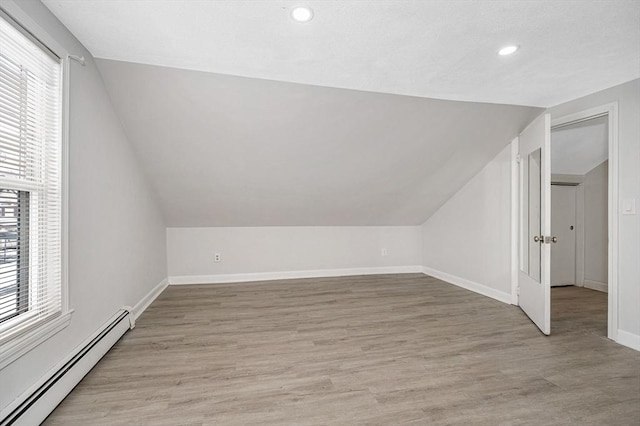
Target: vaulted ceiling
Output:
[(234, 151), (577, 148), (374, 113), (430, 48)]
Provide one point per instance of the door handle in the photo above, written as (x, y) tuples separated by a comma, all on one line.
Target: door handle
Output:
[(543, 239)]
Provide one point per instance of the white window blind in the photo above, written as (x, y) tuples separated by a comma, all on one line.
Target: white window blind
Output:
[(30, 183)]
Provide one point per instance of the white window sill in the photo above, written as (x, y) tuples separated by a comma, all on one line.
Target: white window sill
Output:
[(19, 346)]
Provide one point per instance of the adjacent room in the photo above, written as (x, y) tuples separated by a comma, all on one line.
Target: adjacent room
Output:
[(278, 212), (579, 210)]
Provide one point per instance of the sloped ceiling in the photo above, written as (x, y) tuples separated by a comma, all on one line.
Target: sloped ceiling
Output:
[(242, 117), (234, 151), (578, 148), (430, 48)]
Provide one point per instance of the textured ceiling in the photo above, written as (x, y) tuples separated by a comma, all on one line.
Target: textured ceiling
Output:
[(578, 148), (242, 117), (437, 49), (234, 151)]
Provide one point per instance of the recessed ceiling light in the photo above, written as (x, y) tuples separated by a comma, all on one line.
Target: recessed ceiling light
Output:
[(302, 14), (507, 50)]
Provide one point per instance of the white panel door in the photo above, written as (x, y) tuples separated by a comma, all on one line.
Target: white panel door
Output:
[(563, 226), (534, 277)]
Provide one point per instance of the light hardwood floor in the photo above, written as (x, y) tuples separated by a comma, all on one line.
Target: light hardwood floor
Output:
[(388, 349)]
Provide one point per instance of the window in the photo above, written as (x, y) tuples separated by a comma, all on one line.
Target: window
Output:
[(30, 184), (14, 253)]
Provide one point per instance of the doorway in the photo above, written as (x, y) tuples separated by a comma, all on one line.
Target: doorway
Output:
[(531, 216), (579, 221)]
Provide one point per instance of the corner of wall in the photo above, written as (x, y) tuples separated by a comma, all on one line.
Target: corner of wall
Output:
[(468, 240)]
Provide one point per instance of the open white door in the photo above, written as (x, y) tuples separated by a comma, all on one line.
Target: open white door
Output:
[(534, 277)]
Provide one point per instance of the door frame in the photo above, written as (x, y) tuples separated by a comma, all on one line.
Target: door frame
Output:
[(611, 111)]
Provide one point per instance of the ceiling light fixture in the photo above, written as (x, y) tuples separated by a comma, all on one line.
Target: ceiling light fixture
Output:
[(507, 50), (302, 14)]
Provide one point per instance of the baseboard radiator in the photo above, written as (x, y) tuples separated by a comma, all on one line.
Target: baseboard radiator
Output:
[(39, 402)]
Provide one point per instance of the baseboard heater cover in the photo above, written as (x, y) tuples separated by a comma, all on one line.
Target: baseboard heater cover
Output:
[(35, 408)]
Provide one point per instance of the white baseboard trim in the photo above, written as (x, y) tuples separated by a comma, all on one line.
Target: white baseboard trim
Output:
[(468, 285), (628, 339), (286, 275), (65, 384), (67, 373), (144, 303), (596, 285)]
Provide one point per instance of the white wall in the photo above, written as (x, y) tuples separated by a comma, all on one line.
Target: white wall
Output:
[(628, 97), (271, 251), (266, 152), (468, 240), (117, 248), (596, 226)]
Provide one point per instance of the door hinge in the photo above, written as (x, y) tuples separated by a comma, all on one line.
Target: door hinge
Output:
[(518, 158), (518, 290)]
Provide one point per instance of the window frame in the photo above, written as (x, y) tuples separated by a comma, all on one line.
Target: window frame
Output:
[(22, 343)]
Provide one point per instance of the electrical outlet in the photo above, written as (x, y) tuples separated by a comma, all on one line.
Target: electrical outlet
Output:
[(384, 252), (217, 257)]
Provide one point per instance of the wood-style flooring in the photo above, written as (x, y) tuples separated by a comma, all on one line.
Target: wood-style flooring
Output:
[(375, 350)]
